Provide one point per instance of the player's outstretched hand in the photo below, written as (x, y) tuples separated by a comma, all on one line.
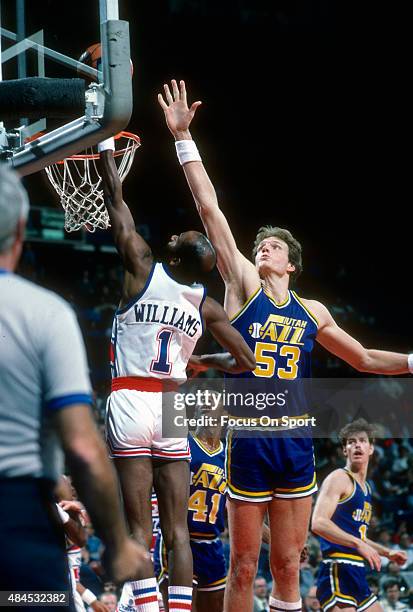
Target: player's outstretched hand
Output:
[(126, 561), (372, 557), (399, 556), (177, 114)]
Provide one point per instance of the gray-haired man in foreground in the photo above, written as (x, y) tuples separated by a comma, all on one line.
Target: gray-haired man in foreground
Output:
[(44, 407)]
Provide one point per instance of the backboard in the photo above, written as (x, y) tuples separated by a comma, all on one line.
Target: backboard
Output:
[(44, 120)]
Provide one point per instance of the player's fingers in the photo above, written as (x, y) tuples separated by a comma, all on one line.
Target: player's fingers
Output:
[(162, 102), (194, 106), (168, 95), (182, 91), (175, 90)]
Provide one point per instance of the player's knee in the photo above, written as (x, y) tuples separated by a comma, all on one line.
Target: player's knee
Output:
[(285, 569), (176, 536), (244, 569), (141, 536)]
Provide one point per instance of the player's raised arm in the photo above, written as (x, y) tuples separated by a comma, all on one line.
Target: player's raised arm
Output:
[(233, 266), (229, 338), (341, 344), (135, 252), (336, 486)]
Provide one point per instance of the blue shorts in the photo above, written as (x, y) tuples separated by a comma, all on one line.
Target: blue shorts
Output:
[(343, 583), (260, 469), (209, 563)]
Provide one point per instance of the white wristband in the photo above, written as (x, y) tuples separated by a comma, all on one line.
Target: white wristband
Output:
[(88, 597), (106, 145), (63, 514), (410, 362), (187, 151)]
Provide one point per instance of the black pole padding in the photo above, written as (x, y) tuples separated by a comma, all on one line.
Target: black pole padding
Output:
[(38, 97)]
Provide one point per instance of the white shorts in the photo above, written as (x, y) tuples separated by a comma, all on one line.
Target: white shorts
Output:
[(134, 427)]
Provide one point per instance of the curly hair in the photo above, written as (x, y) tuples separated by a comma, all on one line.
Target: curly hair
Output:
[(355, 427)]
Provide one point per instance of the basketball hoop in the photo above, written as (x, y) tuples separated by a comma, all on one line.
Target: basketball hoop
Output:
[(78, 183)]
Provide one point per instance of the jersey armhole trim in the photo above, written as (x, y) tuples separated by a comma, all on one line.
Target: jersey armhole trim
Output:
[(310, 314), (140, 294), (350, 495), (245, 305), (57, 403), (200, 309)]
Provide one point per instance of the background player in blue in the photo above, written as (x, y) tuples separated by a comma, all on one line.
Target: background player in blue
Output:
[(341, 517), (281, 328), (206, 508)]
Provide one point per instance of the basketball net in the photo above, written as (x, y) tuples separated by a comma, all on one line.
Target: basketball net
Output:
[(78, 183)]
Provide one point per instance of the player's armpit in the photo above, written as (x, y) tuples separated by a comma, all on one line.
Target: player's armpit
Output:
[(228, 337)]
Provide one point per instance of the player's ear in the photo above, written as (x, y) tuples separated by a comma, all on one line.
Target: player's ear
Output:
[(371, 449), (174, 261), (290, 267)]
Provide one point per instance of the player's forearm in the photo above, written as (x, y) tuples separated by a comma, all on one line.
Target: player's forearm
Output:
[(223, 362), (201, 188), (325, 528), (112, 185), (384, 362), (76, 532), (382, 550)]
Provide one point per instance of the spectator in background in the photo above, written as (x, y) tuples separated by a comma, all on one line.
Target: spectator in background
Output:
[(395, 575), (260, 594), (401, 463), (373, 583), (392, 595), (405, 543), (110, 600), (384, 538), (311, 603)]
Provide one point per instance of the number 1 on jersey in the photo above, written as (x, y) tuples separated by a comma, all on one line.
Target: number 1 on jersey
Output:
[(162, 365)]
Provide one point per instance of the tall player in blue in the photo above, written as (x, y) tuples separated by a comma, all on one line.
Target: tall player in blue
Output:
[(281, 329), (341, 519), (206, 522)]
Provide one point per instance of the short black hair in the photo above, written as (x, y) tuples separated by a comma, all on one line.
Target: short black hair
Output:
[(197, 255), (390, 584)]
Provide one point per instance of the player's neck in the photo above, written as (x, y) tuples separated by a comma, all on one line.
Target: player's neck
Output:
[(359, 472), (208, 439), (277, 287), (7, 262)]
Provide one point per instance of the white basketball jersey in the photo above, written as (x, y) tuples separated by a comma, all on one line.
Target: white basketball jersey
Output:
[(155, 334)]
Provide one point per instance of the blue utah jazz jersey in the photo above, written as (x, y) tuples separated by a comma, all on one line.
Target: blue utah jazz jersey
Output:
[(207, 493), (280, 335), (352, 515)]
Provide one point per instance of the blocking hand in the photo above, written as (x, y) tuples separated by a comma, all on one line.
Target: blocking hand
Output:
[(177, 114)]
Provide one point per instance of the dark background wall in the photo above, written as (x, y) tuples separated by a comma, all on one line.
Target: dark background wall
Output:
[(304, 124)]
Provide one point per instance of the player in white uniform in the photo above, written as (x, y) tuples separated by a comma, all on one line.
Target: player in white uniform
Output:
[(160, 318)]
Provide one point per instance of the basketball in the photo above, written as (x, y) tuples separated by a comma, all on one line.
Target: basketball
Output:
[(93, 57)]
